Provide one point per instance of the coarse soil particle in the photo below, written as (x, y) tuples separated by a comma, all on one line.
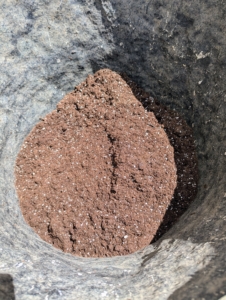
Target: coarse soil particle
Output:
[(96, 176)]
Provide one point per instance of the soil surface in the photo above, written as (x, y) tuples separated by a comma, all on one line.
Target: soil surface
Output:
[(95, 177)]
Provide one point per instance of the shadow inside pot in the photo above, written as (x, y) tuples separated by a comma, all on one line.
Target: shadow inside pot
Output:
[(181, 139), (6, 287)]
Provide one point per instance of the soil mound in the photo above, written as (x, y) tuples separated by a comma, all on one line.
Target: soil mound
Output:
[(96, 176)]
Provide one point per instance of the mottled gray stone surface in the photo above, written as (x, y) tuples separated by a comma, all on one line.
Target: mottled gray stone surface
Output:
[(174, 49)]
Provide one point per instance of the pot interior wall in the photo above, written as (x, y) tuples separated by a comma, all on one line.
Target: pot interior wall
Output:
[(175, 50)]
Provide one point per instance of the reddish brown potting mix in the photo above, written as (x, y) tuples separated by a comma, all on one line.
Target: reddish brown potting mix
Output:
[(95, 177)]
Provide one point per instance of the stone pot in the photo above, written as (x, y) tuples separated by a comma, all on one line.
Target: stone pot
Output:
[(176, 50)]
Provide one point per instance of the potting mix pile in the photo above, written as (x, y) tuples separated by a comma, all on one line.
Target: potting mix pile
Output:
[(105, 174)]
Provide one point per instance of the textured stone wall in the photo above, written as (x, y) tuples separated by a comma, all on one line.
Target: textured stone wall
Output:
[(174, 49)]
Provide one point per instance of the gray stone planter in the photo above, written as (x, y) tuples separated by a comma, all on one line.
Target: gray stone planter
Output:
[(174, 49)]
